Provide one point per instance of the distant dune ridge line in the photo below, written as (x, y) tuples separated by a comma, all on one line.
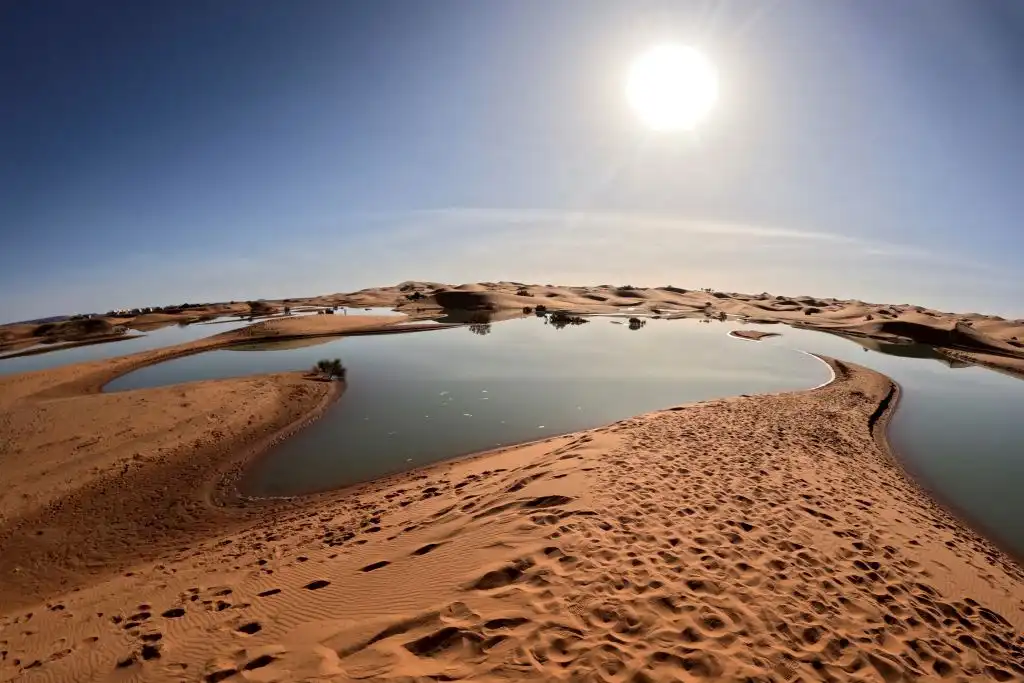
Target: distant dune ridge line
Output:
[(767, 537)]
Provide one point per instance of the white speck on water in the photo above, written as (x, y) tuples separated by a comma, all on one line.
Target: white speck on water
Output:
[(392, 433), (483, 398), (443, 393), (468, 414), (483, 391), (540, 427), (408, 459)]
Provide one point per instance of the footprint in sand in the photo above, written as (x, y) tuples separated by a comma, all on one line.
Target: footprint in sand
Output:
[(251, 628), (426, 549), (374, 566)]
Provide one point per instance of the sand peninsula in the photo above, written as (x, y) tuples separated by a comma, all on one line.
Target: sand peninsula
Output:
[(762, 538)]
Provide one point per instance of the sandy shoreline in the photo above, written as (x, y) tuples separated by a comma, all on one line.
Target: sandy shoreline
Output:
[(985, 339), (67, 345), (584, 555), (752, 335), (771, 537)]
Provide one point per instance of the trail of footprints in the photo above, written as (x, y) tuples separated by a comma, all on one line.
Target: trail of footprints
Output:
[(693, 566), (735, 585), (143, 623)]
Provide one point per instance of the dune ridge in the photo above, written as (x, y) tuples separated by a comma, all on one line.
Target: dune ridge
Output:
[(985, 339), (764, 538), (753, 538)]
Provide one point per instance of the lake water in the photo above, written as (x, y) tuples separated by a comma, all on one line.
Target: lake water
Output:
[(159, 338), (416, 398), (957, 429), (155, 339), (421, 397)]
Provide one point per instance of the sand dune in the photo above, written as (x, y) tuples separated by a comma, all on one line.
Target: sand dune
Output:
[(991, 336), (1000, 342), (760, 538), (315, 324), (766, 538)]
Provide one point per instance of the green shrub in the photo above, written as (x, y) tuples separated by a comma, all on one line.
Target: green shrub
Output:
[(330, 369)]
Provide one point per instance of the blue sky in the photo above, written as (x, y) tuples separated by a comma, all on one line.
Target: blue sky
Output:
[(155, 152)]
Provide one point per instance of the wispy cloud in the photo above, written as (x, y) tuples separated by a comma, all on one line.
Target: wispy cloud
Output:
[(615, 226), (547, 246), (603, 220)]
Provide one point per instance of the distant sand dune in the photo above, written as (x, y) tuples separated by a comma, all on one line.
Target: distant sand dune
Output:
[(766, 538)]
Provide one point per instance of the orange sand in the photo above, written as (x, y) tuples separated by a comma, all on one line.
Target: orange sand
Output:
[(767, 538)]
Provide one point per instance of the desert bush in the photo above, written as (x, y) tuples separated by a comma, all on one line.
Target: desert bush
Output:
[(259, 307), (330, 368), (560, 319)]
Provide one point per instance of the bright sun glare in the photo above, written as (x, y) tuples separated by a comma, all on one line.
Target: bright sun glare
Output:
[(672, 87)]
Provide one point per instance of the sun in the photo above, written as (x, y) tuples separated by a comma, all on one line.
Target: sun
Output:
[(672, 87)]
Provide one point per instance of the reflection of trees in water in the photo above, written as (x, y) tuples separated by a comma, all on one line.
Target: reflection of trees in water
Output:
[(479, 322), (561, 319)]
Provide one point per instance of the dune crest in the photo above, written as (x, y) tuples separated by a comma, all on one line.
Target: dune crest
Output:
[(753, 538)]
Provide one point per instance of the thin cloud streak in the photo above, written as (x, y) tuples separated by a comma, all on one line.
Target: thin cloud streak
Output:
[(459, 245), (637, 223)]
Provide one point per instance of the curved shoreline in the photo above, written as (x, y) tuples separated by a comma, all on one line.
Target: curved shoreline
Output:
[(928, 491), (89, 377), (68, 345), (224, 492), (215, 484), (340, 490), (764, 524)]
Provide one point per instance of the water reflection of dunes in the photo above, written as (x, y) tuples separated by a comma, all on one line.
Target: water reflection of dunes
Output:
[(284, 344)]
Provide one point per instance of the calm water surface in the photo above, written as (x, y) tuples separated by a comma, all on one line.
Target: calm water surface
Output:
[(165, 336), (958, 428), (155, 339), (418, 398)]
